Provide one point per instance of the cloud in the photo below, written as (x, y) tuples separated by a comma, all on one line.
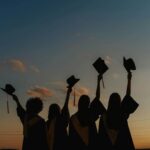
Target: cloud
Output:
[(58, 83), (80, 90), (62, 87), (34, 69), (59, 86), (17, 65), (108, 60), (40, 92)]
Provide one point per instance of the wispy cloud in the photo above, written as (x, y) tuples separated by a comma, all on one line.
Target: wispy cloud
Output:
[(80, 90), (34, 69), (17, 65), (58, 83), (108, 60), (40, 92), (59, 86), (62, 87)]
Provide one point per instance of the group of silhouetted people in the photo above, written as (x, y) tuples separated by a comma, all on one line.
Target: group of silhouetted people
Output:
[(113, 132), (79, 132)]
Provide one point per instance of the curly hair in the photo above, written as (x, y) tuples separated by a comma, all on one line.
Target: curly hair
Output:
[(34, 105)]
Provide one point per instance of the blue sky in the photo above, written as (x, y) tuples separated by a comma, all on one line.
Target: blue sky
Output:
[(44, 42)]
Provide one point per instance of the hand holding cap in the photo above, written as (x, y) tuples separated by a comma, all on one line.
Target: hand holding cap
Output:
[(100, 66), (129, 64), (9, 89), (72, 81)]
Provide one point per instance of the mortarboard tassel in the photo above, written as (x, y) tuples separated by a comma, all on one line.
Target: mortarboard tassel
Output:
[(7, 105)]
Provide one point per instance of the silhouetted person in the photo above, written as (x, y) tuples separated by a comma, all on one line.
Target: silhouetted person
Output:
[(82, 127), (57, 125), (34, 127), (114, 133)]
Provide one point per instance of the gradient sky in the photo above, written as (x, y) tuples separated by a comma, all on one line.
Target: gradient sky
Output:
[(42, 42)]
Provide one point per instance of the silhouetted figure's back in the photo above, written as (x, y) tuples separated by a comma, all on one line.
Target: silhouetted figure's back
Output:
[(82, 127), (114, 133), (57, 125), (34, 127)]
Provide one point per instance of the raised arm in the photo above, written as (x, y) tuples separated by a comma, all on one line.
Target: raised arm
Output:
[(128, 105), (96, 107), (67, 97), (20, 110), (15, 98), (129, 76), (65, 111), (98, 86)]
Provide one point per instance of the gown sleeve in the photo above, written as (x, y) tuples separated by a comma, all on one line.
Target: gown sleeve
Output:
[(128, 105), (21, 113), (96, 109)]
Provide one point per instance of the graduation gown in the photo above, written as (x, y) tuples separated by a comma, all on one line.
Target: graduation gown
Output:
[(85, 137), (57, 131), (123, 136), (34, 128)]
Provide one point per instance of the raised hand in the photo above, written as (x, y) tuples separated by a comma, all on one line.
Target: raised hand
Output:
[(69, 90), (15, 98), (99, 77)]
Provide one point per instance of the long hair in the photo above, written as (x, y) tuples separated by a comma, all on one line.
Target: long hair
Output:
[(114, 111), (83, 109), (54, 111), (84, 102)]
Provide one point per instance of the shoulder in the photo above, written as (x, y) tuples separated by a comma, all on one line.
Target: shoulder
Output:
[(73, 118), (40, 119)]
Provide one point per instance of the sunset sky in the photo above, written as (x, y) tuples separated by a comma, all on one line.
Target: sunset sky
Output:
[(43, 42)]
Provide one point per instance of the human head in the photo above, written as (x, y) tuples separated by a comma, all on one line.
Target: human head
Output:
[(114, 101), (34, 105), (54, 111), (84, 102), (113, 111)]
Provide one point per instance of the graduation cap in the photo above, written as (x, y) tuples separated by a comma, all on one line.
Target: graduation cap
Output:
[(100, 67), (129, 105), (72, 81), (9, 89), (129, 64)]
